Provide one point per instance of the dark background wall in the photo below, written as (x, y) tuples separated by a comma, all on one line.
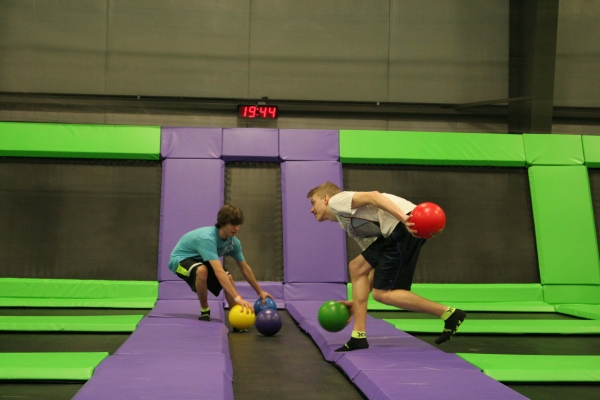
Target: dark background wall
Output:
[(489, 235), (79, 219), (399, 51), (352, 50)]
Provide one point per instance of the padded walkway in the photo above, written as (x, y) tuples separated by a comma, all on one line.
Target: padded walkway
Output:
[(427, 372), (163, 356)]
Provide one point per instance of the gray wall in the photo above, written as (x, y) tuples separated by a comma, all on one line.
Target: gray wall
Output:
[(576, 82), (429, 51)]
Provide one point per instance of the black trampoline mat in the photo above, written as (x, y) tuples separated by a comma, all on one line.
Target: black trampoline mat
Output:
[(489, 235), (31, 390), (286, 366), (79, 219), (39, 342)]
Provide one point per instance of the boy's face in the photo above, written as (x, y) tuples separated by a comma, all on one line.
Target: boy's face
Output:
[(231, 230), (319, 207)]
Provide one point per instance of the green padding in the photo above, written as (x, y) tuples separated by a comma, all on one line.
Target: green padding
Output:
[(133, 302), (76, 289), (553, 149), (591, 150), (564, 225), (504, 306), (477, 297), (572, 294), (24, 292), (505, 326), (49, 366), (97, 323), (431, 148), (476, 293), (589, 311), (19, 139), (536, 368)]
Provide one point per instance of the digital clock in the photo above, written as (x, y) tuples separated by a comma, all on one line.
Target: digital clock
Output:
[(257, 112)]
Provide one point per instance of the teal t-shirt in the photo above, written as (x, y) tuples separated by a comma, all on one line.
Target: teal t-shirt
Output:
[(206, 244)]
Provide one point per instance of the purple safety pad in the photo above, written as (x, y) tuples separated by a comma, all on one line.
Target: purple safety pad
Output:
[(386, 359), (251, 144), (312, 251), (395, 356), (309, 145), (179, 290), (174, 338), (275, 289), (159, 376), (314, 291), (432, 384), (187, 309), (192, 193), (178, 142)]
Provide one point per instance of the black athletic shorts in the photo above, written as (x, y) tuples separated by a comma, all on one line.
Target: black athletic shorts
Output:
[(183, 271), (394, 259)]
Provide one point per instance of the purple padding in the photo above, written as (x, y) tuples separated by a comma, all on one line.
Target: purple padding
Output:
[(309, 145), (179, 290), (314, 291), (397, 359), (275, 289), (382, 336), (250, 144), (312, 251), (192, 194), (199, 338), (186, 309), (301, 310), (177, 142), (158, 377), (433, 384)]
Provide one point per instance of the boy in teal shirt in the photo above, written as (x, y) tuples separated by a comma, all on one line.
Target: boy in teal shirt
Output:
[(195, 259)]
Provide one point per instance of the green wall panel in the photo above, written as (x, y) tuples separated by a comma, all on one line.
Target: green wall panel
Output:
[(79, 141), (564, 225), (431, 148), (553, 149), (591, 150)]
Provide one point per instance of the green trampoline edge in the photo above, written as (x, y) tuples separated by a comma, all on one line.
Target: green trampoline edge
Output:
[(49, 366), (536, 368)]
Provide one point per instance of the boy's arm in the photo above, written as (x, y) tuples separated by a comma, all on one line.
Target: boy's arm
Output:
[(226, 283), (380, 201), (251, 279)]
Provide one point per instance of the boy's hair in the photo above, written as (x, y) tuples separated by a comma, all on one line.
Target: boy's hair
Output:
[(327, 188), (229, 215)]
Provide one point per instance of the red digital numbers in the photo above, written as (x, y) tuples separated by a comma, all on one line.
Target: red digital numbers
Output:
[(259, 112)]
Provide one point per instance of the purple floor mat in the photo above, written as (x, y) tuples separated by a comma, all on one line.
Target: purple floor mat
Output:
[(200, 337), (395, 359), (188, 309), (432, 384), (314, 291), (398, 365), (160, 376)]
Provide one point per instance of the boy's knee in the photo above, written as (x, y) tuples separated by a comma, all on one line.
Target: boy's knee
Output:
[(201, 273), (379, 295), (358, 268)]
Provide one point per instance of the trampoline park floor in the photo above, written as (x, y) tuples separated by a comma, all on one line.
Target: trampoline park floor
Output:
[(286, 366), (29, 341), (518, 344)]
